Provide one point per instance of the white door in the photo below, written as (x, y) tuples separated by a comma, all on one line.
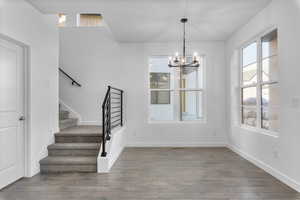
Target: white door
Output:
[(11, 113)]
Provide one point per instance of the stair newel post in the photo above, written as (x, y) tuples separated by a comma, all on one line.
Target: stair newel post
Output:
[(121, 107), (103, 154)]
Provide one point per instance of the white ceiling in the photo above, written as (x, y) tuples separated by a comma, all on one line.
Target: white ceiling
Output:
[(158, 20)]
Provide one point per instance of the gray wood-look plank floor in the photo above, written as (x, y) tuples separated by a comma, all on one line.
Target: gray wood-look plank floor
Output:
[(160, 173)]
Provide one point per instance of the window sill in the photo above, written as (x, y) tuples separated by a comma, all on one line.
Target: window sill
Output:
[(260, 131), (202, 121)]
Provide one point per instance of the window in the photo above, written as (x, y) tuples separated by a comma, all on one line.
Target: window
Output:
[(175, 94), (259, 83), (90, 20)]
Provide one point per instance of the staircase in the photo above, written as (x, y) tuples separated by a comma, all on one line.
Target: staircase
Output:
[(65, 121), (75, 149)]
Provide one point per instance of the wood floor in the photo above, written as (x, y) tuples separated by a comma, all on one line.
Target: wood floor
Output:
[(160, 173)]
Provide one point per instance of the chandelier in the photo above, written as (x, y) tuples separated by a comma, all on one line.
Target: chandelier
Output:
[(182, 60)]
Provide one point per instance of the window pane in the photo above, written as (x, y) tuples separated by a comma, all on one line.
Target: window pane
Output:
[(270, 69), (163, 112), (270, 95), (90, 20), (160, 97), (191, 78), (250, 54), (269, 44), (250, 74), (270, 118), (249, 116), (191, 105), (160, 80), (249, 96), (159, 65), (270, 60)]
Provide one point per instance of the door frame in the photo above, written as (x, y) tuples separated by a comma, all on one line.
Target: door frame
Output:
[(26, 78)]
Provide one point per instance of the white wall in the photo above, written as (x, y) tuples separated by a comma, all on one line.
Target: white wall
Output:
[(278, 155), (143, 133), (21, 22), (91, 56)]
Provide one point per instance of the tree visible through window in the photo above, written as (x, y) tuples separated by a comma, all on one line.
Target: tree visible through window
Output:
[(259, 83)]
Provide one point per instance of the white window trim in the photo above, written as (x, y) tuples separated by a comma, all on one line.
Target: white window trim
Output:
[(203, 119), (258, 85)]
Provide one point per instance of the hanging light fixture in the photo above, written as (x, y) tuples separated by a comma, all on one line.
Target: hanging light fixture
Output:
[(182, 60)]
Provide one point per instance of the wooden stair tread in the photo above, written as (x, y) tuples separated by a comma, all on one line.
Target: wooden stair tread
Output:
[(74, 146), (82, 130)]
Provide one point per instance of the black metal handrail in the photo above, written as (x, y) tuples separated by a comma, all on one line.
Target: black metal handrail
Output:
[(67, 75), (112, 114)]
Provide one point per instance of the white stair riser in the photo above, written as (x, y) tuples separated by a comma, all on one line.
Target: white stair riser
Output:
[(77, 139), (46, 169)]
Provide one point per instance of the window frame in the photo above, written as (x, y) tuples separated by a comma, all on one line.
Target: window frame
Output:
[(202, 90), (259, 83)]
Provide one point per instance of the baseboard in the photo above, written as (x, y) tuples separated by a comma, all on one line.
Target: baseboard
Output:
[(177, 144), (35, 167), (34, 171), (274, 172)]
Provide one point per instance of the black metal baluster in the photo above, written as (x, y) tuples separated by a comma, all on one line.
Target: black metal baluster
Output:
[(109, 117), (121, 108), (103, 154)]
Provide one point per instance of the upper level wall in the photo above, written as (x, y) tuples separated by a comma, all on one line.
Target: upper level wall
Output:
[(92, 57), (279, 153), (21, 22)]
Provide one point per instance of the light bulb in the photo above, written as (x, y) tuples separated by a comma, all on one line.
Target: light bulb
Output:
[(170, 60), (195, 57)]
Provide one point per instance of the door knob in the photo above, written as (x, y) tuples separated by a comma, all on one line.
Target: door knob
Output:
[(22, 118)]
